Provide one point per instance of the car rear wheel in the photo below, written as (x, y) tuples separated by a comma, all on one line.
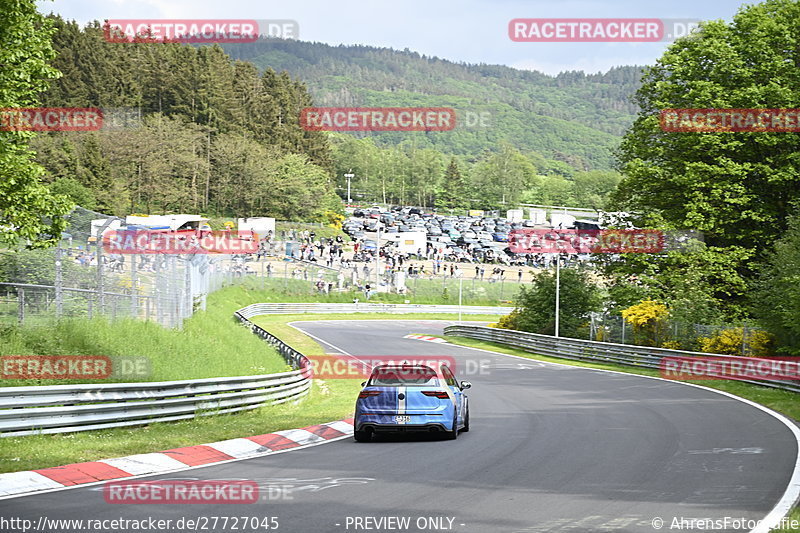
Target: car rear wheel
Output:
[(362, 436), (452, 435)]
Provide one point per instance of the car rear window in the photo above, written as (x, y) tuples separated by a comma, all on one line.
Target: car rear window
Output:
[(403, 376)]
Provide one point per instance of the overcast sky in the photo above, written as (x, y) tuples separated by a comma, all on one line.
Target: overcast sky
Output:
[(472, 31)]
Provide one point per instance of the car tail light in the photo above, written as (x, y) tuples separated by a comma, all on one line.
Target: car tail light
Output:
[(368, 393), (436, 393)]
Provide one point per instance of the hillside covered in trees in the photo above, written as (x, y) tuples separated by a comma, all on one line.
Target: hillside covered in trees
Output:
[(574, 117), (211, 134), (221, 135)]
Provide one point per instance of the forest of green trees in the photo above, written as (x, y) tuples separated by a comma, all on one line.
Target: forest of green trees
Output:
[(407, 174), (220, 136), (213, 135), (573, 117)]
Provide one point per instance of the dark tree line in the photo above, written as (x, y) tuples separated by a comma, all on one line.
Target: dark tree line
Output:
[(210, 133), (582, 115)]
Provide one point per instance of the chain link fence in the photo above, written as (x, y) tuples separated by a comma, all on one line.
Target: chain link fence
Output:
[(748, 339), (294, 278), (78, 278)]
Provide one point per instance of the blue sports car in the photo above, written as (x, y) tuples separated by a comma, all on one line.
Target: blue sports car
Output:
[(411, 397)]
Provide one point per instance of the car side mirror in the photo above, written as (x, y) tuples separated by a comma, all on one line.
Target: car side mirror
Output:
[(363, 383), (465, 385)]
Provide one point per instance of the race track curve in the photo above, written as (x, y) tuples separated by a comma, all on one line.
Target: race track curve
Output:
[(552, 449)]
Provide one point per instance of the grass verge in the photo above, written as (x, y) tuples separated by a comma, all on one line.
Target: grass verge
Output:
[(420, 291), (329, 400), (791, 518), (202, 349)]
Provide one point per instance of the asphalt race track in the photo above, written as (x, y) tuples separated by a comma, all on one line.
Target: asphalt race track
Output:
[(551, 448)]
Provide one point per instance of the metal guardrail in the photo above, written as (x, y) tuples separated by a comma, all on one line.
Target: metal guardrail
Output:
[(327, 308), (70, 408), (595, 351)]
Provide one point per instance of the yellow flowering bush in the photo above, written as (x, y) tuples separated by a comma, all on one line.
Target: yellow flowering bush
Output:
[(729, 342), (648, 319), (507, 321), (333, 219), (645, 313)]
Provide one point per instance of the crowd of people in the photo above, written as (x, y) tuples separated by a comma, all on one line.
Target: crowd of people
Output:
[(347, 267)]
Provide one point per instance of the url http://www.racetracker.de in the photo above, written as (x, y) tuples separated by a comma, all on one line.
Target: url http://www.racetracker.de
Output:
[(196, 523)]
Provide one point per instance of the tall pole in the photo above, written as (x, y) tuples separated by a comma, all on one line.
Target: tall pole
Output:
[(100, 283), (349, 176), (558, 291), (460, 284), (59, 281), (378, 259), (134, 289)]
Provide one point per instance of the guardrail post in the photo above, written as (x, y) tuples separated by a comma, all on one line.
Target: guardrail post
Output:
[(134, 289), (188, 288), (59, 283), (21, 304), (101, 297)]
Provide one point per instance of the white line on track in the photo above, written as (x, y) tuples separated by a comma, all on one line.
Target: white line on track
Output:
[(780, 510), (792, 493)]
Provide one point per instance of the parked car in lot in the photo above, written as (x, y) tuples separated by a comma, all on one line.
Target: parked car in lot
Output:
[(500, 237), (434, 231), (411, 398)]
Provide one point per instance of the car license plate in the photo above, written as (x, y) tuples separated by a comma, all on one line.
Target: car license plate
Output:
[(402, 418)]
